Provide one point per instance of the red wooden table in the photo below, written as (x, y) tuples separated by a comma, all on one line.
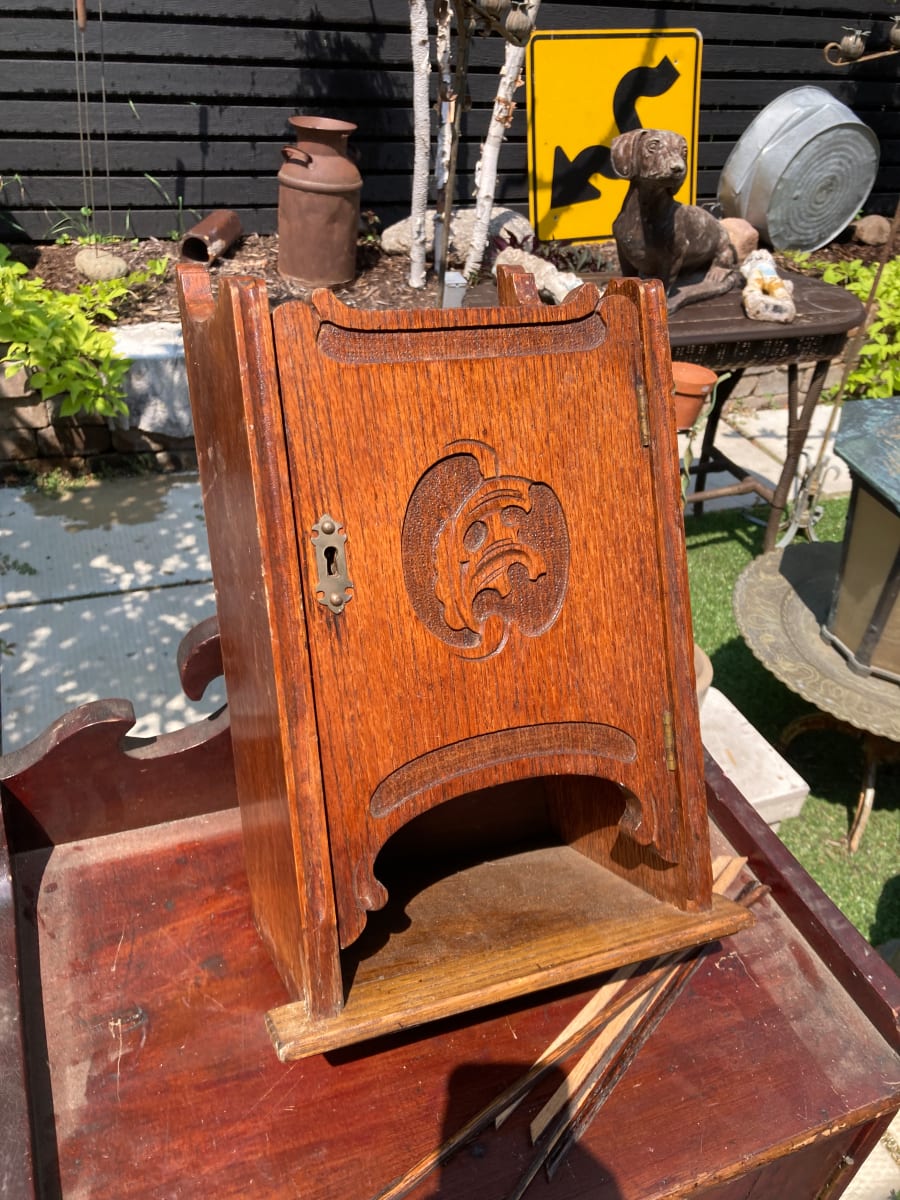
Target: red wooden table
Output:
[(150, 1073)]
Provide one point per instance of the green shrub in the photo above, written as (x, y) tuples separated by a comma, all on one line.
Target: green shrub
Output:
[(877, 373), (59, 338)]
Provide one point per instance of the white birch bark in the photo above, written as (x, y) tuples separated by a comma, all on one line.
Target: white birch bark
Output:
[(443, 142), (421, 61), (486, 170)]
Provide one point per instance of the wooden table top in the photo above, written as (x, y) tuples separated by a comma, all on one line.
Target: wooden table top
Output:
[(162, 1081), (717, 332)]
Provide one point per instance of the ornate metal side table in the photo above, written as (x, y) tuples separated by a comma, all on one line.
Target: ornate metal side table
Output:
[(716, 334), (781, 602)]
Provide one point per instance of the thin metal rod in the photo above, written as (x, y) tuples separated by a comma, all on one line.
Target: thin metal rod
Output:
[(460, 78), (105, 121), (853, 352), (79, 20)]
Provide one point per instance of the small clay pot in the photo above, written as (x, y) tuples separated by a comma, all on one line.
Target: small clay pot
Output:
[(693, 386), (703, 670)]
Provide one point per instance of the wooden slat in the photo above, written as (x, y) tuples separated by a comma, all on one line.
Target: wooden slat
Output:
[(729, 78), (197, 192), (357, 12), (248, 40), (205, 122), (254, 38), (59, 157), (347, 12), (37, 224), (201, 82)]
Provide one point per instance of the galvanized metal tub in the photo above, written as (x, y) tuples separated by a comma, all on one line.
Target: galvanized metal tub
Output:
[(801, 171)]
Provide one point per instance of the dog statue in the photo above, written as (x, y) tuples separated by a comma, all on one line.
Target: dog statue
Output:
[(656, 237)]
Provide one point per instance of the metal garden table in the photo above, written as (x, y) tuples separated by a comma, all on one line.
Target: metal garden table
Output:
[(716, 334)]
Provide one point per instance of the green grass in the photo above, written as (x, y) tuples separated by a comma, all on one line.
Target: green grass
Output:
[(865, 886)]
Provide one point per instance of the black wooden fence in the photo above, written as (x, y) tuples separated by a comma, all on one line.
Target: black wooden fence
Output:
[(187, 100)]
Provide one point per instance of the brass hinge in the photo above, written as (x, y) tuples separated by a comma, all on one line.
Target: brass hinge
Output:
[(643, 415), (669, 741)]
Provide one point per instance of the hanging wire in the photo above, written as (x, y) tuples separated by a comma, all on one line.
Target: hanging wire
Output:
[(79, 23)]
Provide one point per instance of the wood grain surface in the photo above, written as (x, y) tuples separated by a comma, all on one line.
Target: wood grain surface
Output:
[(145, 979), (449, 556)]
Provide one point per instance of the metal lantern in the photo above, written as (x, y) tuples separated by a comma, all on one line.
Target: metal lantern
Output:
[(864, 621)]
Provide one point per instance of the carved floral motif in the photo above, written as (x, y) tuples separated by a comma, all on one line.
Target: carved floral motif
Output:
[(484, 552)]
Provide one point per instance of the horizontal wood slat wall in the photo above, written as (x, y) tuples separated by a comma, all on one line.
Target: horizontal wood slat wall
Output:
[(198, 92)]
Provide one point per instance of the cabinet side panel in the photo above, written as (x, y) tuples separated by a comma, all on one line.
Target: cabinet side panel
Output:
[(240, 448)]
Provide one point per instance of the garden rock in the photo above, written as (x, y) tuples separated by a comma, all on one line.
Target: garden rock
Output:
[(552, 283), (872, 230), (98, 265), (743, 236), (397, 239)]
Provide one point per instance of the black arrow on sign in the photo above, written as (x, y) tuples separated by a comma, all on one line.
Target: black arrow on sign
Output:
[(571, 179)]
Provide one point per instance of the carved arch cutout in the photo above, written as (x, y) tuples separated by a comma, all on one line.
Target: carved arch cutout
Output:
[(493, 823), (592, 750)]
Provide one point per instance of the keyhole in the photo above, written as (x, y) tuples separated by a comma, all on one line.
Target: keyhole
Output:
[(331, 564)]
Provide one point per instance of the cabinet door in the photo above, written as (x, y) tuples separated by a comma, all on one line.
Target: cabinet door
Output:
[(493, 568)]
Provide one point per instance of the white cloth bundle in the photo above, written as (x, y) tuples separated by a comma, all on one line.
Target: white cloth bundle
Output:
[(766, 296)]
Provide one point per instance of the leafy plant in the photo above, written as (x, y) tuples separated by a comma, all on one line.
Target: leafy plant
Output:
[(73, 226), (79, 227), (177, 203), (877, 373), (368, 242), (59, 338)]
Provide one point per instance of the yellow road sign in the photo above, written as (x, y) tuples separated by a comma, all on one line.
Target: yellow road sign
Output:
[(584, 88)]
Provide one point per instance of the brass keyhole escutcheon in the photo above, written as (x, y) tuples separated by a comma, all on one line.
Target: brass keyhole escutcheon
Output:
[(332, 581)]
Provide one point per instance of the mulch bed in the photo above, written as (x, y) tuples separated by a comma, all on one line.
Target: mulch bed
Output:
[(381, 281)]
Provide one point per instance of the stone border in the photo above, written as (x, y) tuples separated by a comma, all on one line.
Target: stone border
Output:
[(157, 435), (35, 439), (766, 387)]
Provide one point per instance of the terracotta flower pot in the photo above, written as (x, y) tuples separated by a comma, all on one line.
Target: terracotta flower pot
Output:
[(703, 669), (693, 387)]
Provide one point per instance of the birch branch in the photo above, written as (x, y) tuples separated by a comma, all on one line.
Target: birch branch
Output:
[(446, 101), (465, 25), (486, 170), (421, 61)]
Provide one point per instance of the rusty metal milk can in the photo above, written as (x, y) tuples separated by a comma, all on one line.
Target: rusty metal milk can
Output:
[(318, 204)]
